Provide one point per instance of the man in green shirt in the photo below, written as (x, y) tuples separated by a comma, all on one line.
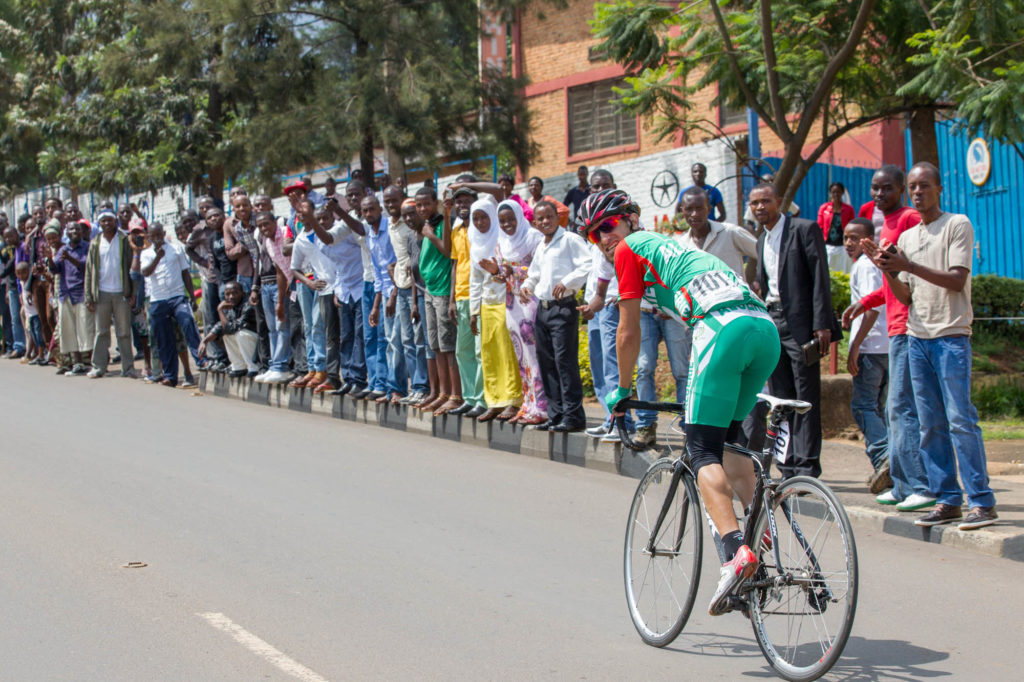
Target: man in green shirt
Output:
[(436, 270)]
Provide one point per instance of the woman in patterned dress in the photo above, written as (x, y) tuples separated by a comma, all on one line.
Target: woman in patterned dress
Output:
[(516, 245)]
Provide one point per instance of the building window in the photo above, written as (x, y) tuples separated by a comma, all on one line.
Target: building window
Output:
[(595, 121), (730, 116)]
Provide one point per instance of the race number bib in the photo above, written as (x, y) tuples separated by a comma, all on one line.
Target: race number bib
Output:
[(715, 287), (781, 449)]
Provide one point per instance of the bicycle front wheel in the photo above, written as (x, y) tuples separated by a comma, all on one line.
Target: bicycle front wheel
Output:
[(662, 562), (802, 606)]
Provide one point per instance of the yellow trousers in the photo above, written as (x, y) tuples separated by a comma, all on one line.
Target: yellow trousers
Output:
[(502, 386)]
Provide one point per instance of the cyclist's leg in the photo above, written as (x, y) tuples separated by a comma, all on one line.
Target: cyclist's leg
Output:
[(705, 444), (710, 401), (722, 352), (761, 354)]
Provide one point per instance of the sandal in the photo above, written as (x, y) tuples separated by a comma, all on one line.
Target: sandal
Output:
[(453, 402)]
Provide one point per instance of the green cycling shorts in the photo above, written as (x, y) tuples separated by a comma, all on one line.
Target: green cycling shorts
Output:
[(734, 352)]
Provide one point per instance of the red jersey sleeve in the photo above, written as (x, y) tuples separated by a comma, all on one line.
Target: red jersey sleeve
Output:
[(874, 299), (629, 270), (867, 210)]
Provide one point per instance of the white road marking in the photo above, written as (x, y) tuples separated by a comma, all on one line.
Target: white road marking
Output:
[(282, 661)]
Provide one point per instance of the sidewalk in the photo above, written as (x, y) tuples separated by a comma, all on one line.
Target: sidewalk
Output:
[(844, 464)]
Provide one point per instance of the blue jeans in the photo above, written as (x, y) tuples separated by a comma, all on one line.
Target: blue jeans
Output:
[(940, 371), (36, 328), (608, 324), (374, 345), (17, 329), (677, 338), (422, 347), (398, 378), (163, 315), (350, 344), (905, 465), (246, 282), (412, 343), (280, 345), (601, 388), (313, 324), (211, 299), (866, 403)]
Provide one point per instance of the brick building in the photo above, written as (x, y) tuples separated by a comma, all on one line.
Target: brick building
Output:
[(575, 122)]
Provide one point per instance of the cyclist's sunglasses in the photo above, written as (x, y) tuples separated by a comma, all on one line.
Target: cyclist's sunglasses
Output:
[(607, 226)]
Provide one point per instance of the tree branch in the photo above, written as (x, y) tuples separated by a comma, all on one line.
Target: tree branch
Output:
[(836, 63), (829, 140), (770, 62), (730, 52)]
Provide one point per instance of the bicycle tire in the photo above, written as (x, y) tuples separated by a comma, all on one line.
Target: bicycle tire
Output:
[(661, 587), (824, 566)]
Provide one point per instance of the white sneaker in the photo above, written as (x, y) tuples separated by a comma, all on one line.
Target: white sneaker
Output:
[(259, 377), (275, 377), (611, 437), (916, 502), (887, 498), (598, 431)]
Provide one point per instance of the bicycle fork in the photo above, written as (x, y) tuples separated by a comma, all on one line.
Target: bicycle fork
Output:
[(677, 475)]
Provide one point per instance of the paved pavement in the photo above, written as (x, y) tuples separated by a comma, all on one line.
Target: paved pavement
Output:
[(285, 546)]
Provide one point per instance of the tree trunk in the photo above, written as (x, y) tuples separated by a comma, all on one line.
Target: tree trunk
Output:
[(366, 126), (366, 155), (924, 145)]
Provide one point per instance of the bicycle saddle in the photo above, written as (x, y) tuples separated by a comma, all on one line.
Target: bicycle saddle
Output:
[(798, 406)]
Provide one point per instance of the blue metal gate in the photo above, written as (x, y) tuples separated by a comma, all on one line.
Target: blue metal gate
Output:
[(996, 208), (813, 191)]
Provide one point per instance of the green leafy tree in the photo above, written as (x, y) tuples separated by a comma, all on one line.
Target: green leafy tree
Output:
[(408, 79), (113, 95), (812, 70), (971, 53)]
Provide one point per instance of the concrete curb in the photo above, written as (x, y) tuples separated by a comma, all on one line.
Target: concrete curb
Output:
[(569, 448)]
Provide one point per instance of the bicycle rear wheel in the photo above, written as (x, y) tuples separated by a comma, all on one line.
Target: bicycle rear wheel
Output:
[(802, 610), (662, 572)]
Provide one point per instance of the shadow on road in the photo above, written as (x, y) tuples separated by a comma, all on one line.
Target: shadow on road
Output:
[(880, 659), (863, 659)]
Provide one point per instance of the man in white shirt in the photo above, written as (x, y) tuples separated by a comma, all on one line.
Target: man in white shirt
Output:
[(868, 359), (730, 243), (110, 295), (315, 274), (171, 299), (560, 267)]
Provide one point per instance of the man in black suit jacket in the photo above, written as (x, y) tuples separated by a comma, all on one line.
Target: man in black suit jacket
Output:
[(793, 274)]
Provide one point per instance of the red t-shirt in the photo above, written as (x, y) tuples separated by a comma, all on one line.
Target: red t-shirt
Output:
[(896, 223)]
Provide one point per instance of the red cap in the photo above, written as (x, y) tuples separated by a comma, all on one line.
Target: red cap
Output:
[(298, 184)]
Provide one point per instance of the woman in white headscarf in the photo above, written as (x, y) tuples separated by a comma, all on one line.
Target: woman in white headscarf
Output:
[(517, 242), (502, 388)]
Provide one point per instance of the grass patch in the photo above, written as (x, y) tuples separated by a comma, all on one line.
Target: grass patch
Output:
[(999, 399), (1002, 429)]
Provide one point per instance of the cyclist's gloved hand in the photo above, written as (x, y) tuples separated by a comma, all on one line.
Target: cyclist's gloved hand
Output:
[(615, 397)]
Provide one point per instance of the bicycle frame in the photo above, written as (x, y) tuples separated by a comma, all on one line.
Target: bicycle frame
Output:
[(764, 486)]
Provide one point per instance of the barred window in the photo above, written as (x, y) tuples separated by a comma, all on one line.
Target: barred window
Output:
[(728, 115), (595, 121)]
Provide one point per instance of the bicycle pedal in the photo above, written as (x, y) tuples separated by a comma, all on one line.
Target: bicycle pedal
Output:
[(735, 603)]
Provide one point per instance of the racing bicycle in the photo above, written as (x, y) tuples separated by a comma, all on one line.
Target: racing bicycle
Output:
[(802, 598)]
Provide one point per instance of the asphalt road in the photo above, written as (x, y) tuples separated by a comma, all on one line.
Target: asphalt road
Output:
[(283, 546)]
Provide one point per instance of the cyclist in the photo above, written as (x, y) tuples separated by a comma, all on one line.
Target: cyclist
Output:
[(735, 349)]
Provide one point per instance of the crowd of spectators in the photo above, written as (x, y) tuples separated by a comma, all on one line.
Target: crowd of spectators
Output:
[(470, 304)]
